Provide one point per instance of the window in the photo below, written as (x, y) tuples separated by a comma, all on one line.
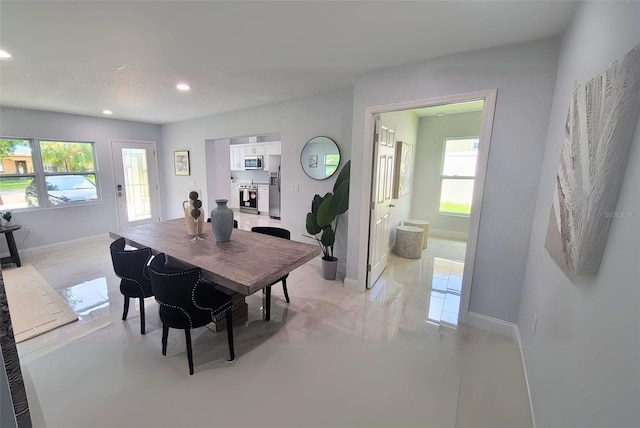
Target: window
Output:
[(458, 175), (43, 173), (331, 162)]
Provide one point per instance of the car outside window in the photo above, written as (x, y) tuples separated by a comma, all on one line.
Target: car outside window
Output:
[(45, 173)]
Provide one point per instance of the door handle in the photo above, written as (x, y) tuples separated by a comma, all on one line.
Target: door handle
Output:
[(391, 205), (119, 190)]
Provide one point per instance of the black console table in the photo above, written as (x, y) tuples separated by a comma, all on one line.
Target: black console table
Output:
[(14, 257)]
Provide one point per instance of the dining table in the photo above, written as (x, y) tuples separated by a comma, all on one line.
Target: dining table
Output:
[(247, 263)]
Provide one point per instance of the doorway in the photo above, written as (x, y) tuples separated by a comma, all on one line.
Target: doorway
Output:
[(372, 139), (135, 170)]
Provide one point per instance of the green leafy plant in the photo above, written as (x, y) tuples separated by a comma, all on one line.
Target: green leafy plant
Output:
[(322, 221), (7, 215)]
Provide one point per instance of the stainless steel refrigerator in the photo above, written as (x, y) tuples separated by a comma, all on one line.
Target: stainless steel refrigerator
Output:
[(274, 186)]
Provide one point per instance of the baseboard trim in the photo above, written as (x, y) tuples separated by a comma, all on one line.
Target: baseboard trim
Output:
[(35, 251), (493, 325), (526, 377), (353, 285), (441, 233)]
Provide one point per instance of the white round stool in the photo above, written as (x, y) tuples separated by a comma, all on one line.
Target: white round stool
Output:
[(421, 224), (409, 242)]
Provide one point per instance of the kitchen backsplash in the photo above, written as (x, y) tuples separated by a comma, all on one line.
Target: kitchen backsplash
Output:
[(256, 176)]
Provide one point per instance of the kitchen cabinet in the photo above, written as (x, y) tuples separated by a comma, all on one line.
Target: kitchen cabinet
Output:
[(237, 158), (234, 201), (271, 148), (239, 151), (263, 199), (254, 150)]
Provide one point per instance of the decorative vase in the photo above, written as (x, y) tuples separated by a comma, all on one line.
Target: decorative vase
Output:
[(329, 268), (191, 229), (222, 221)]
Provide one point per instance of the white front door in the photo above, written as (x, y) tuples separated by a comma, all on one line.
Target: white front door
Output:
[(381, 198), (135, 167)]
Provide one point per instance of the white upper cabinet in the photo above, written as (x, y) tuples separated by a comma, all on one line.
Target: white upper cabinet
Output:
[(236, 158), (254, 150), (239, 151)]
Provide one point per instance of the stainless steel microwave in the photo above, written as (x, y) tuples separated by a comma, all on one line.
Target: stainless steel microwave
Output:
[(253, 162)]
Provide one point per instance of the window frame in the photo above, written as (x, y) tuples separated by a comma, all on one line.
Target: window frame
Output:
[(328, 165), (40, 175), (444, 177)]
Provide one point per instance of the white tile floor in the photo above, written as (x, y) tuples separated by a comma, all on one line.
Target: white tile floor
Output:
[(330, 358)]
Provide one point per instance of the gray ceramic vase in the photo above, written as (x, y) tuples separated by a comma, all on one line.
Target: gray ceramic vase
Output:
[(222, 221)]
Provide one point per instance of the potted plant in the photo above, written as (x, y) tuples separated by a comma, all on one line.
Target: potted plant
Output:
[(7, 217), (322, 221)]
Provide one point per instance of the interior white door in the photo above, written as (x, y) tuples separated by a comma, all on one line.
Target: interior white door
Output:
[(135, 167), (381, 198)]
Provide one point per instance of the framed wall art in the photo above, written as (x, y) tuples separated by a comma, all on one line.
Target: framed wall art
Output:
[(181, 162), (404, 164)]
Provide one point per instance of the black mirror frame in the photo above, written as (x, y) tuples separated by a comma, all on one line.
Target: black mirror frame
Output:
[(302, 164)]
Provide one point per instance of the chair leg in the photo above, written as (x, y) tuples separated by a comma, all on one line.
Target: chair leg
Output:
[(284, 287), (126, 308), (165, 335), (230, 334), (187, 333), (267, 304), (142, 315)]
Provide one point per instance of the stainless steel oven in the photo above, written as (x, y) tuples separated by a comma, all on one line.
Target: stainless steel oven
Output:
[(248, 198)]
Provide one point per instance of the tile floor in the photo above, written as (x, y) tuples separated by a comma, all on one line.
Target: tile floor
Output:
[(390, 357)]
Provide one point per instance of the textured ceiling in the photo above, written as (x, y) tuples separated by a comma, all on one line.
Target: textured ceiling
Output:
[(127, 56)]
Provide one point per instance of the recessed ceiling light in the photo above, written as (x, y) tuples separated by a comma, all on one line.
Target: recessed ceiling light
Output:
[(4, 54), (107, 112), (183, 87)]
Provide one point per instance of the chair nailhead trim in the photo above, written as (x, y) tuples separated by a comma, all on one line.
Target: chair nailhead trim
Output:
[(140, 250), (179, 308), (133, 280), (215, 312)]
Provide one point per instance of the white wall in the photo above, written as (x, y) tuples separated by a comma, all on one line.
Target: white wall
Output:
[(216, 152), (53, 225), (524, 77), (583, 362), (405, 124), (432, 132), (297, 121)]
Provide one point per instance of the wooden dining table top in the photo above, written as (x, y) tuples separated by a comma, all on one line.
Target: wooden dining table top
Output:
[(247, 263)]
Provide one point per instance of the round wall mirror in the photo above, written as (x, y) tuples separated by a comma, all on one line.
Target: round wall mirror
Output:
[(320, 158)]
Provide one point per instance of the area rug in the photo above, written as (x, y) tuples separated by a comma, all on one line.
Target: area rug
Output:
[(35, 307)]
